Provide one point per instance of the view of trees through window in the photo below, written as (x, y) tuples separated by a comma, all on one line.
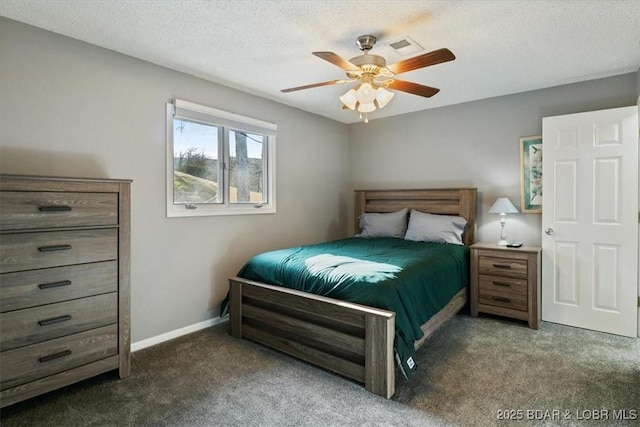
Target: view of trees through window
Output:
[(246, 167), (198, 169)]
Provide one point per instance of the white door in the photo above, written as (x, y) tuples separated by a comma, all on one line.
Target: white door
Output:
[(590, 220)]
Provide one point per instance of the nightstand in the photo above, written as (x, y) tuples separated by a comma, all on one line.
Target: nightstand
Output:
[(506, 282)]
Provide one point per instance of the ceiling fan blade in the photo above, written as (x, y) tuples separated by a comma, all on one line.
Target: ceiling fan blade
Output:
[(414, 88), (336, 59), (431, 58), (329, 83)]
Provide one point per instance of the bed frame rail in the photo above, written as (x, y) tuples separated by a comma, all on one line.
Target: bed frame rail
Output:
[(352, 340)]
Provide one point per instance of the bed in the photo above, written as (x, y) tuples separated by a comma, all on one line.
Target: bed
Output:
[(350, 338)]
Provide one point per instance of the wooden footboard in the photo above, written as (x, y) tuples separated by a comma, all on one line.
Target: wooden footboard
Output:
[(352, 340)]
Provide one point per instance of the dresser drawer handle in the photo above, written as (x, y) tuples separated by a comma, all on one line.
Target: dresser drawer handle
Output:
[(54, 284), (507, 266), (501, 299), (53, 320), (54, 208), (54, 356), (54, 248), (495, 282)]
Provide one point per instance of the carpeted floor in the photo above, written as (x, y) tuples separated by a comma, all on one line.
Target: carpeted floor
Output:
[(472, 372)]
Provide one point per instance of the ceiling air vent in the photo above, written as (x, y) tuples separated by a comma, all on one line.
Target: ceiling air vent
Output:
[(405, 46)]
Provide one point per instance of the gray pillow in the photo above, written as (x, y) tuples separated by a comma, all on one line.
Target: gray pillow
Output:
[(393, 224), (424, 227)]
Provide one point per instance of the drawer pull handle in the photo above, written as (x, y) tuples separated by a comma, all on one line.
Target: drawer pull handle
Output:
[(501, 299), (54, 320), (54, 356), (54, 284), (54, 248), (507, 266), (495, 282), (54, 208)]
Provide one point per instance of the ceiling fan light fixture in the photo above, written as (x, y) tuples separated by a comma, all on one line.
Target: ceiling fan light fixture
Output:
[(374, 76), (350, 99), (383, 96)]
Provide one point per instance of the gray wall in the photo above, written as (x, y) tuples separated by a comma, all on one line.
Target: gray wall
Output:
[(74, 109), (474, 144)]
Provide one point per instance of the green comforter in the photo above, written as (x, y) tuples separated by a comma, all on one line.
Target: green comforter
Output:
[(413, 279)]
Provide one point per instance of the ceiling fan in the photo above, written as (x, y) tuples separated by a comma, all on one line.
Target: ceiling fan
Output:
[(375, 76)]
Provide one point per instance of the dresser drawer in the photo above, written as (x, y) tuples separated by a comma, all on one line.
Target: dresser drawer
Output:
[(501, 284), (32, 362), (28, 210), (502, 266), (38, 287), (30, 251), (32, 325)]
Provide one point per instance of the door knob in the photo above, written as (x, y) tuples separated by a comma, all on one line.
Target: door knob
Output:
[(549, 231)]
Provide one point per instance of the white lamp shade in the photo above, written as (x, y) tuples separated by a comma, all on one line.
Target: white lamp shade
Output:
[(365, 93), (366, 108), (383, 96), (349, 99), (503, 205)]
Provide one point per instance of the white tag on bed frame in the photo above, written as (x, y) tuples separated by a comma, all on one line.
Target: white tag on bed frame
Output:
[(411, 363)]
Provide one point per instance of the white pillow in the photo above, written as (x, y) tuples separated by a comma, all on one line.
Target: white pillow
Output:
[(393, 224), (424, 227)]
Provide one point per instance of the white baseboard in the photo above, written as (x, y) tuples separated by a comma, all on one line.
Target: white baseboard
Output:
[(139, 345)]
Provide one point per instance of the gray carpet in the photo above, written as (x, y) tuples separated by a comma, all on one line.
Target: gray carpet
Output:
[(468, 371)]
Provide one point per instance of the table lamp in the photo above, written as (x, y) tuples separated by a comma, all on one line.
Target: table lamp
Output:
[(503, 206)]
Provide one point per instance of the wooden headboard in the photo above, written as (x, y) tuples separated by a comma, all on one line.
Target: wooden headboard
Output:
[(443, 201)]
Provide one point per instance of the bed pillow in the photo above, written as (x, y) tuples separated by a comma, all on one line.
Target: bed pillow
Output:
[(424, 227), (393, 224)]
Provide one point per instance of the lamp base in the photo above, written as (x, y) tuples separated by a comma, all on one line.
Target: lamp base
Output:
[(502, 243)]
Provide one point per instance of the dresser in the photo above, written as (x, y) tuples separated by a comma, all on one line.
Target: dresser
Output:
[(64, 282), (506, 282)]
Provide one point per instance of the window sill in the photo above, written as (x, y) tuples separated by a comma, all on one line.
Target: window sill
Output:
[(179, 212)]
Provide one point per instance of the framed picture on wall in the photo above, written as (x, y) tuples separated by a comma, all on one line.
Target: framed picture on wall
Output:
[(531, 174)]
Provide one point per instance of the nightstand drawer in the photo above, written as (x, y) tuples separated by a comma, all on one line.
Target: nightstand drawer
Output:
[(501, 284), (503, 266), (503, 299)]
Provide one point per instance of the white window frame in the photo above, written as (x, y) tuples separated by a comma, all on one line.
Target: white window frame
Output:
[(229, 121)]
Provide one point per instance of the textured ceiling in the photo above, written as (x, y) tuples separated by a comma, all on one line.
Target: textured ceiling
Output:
[(262, 46)]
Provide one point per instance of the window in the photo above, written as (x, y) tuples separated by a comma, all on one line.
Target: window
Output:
[(218, 163)]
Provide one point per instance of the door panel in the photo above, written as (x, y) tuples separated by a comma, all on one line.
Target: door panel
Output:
[(606, 203), (566, 285), (606, 284), (590, 213), (566, 198)]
